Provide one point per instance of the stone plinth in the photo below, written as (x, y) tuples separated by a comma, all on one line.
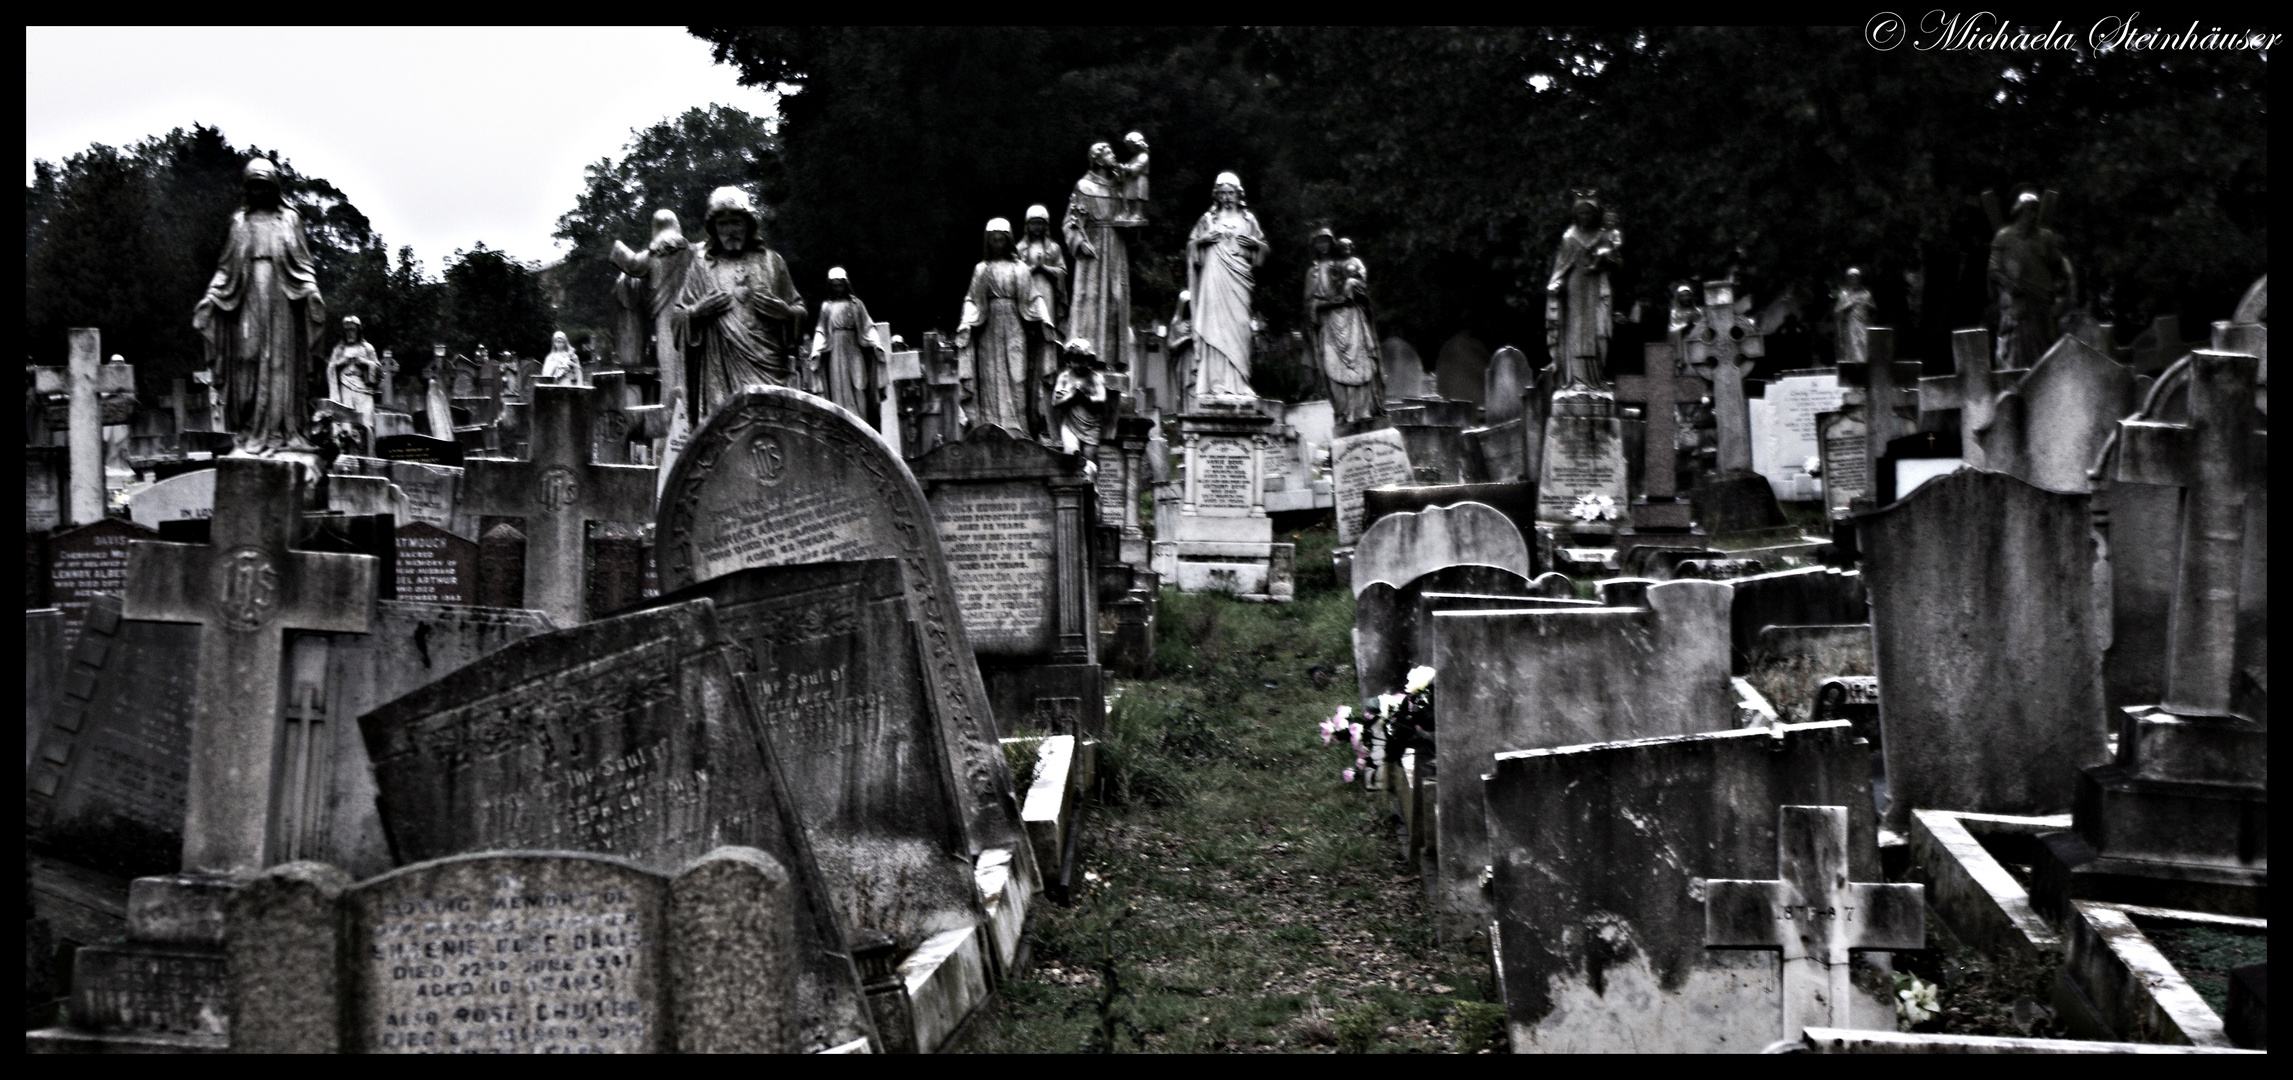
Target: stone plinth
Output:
[(1222, 540)]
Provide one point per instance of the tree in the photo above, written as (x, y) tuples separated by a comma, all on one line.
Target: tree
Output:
[(496, 301), (673, 164)]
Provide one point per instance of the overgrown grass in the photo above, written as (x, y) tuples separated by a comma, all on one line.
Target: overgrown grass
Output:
[(1789, 682), (1236, 895)]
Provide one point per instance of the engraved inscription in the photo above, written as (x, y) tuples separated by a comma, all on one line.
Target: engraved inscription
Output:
[(1361, 462), (1225, 480), (1846, 468), (999, 544), (1584, 455), (558, 488), (247, 587), (86, 561), (789, 527), (435, 566)]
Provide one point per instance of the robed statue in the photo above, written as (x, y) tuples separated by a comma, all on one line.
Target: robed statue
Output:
[(739, 310), (1100, 257), (1223, 255), (2032, 281), (353, 371), (262, 318), (848, 360), (1852, 311), (1005, 318), (562, 367), (645, 299), (1339, 333), (1577, 302)]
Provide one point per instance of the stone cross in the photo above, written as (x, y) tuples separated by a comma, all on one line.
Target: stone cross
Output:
[(441, 377), (389, 380), (1887, 408), (84, 430), (245, 800), (2217, 459), (1971, 390), (1658, 393), (1722, 346), (1815, 915), (558, 493)]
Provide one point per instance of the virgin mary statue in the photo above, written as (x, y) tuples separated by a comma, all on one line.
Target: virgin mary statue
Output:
[(1223, 255)]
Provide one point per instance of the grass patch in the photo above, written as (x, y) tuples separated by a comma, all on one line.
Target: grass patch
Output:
[(2204, 956), (1238, 896)]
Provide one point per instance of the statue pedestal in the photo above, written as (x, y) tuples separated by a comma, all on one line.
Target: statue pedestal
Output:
[(1221, 539), (1583, 456)]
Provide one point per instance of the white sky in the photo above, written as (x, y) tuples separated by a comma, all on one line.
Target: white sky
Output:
[(443, 137)]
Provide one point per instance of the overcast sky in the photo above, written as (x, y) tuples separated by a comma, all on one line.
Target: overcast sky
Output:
[(442, 137)]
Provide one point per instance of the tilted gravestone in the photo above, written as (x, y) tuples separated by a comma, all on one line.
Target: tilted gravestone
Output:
[(779, 478), (540, 953), (2049, 427), (1609, 953), (556, 496), (1982, 609), (1014, 521), (831, 660), (1525, 679), (1806, 596)]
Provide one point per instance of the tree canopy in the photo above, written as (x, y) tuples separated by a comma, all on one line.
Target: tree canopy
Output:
[(1784, 155)]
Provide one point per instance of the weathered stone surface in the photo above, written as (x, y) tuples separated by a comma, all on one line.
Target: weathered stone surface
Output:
[(419, 448), (1517, 501), (746, 962), (778, 478), (1981, 591), (85, 561), (433, 495), (44, 658), (1843, 440), (2049, 427), (181, 497), (1405, 375), (1360, 461), (1400, 548), (1012, 518), (556, 496), (106, 785), (285, 951), (1606, 953), (436, 566), (1510, 377), (1583, 457), (1783, 429), (830, 657), (1526, 679), (1461, 371), (1387, 620), (1807, 596)]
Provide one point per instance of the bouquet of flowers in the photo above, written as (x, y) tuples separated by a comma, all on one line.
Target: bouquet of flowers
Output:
[(1396, 722)]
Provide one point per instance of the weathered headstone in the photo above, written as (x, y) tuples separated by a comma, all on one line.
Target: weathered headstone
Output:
[(1841, 440), (778, 478), (557, 495), (1981, 590), (2049, 427), (1405, 376), (1361, 460), (1523, 679), (1971, 390), (1816, 915), (85, 561), (46, 483), (1607, 953), (1806, 596), (1400, 548), (436, 566), (1583, 458), (182, 497), (1510, 379), (1782, 445), (1660, 392), (1461, 371), (433, 493), (831, 660), (419, 448)]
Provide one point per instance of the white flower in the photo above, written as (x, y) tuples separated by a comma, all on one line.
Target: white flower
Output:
[(1345, 712), (1916, 1000), (1591, 507), (1388, 704), (1419, 679)]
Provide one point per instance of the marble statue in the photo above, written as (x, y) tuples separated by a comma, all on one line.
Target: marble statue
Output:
[(1100, 312), (1004, 315), (645, 299), (1133, 174), (1079, 402), (1339, 333), (1048, 262), (2032, 281), (1223, 255), (1577, 302), (739, 309), (1682, 317), (848, 360), (353, 371), (261, 318), (1853, 310), (561, 367)]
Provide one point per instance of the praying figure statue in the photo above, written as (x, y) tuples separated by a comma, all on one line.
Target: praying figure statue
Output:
[(645, 300), (1339, 333), (1682, 317), (261, 318), (562, 367), (353, 371), (1079, 402), (2033, 282), (1100, 257), (1223, 255), (1133, 174), (739, 309), (1048, 262), (1853, 310), (1577, 302), (1004, 315), (848, 360)]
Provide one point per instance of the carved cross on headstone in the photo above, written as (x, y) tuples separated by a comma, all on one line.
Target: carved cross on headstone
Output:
[(558, 493), (1722, 346), (1971, 390), (1658, 393), (1815, 915), (2218, 458), (245, 588)]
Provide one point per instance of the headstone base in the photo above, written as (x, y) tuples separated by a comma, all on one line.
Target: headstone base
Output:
[(1737, 502), (1249, 571), (164, 989), (1047, 699)]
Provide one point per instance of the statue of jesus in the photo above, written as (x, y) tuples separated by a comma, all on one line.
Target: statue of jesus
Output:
[(739, 309), (1223, 255)]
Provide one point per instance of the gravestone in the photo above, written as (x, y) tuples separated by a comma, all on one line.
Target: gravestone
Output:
[(1510, 380), (46, 482), (1583, 457), (1782, 445), (1363, 456), (436, 566), (541, 953), (2049, 427), (1220, 538), (1816, 915), (44, 658), (1841, 440), (778, 478), (433, 493), (421, 449), (1981, 592), (1722, 349), (85, 561), (1400, 548), (1388, 620), (85, 503), (1971, 391), (1607, 952), (1014, 522), (556, 496), (1805, 596), (1517, 501), (1405, 375), (831, 660), (1523, 679), (1461, 371), (183, 497), (1660, 515), (1434, 430)]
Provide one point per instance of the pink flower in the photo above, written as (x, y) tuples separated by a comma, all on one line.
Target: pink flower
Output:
[(1348, 775), (1355, 731)]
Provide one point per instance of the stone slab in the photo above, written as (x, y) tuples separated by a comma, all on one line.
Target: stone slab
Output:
[(1402, 547), (1361, 461)]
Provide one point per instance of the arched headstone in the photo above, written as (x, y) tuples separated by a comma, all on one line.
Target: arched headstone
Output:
[(1401, 547)]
